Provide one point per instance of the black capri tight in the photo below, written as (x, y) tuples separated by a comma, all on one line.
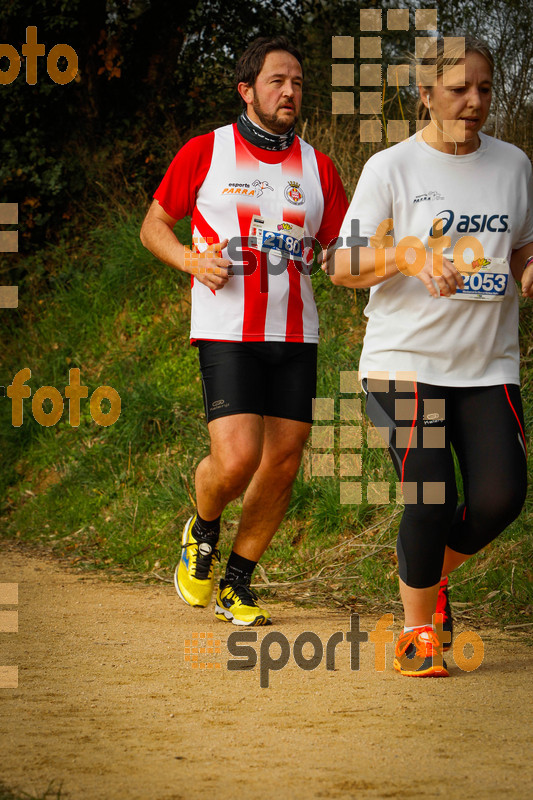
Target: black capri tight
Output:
[(485, 427)]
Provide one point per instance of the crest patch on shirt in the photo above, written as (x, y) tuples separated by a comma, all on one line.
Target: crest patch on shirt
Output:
[(294, 193)]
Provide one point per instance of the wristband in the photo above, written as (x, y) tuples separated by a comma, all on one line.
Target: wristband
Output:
[(528, 262)]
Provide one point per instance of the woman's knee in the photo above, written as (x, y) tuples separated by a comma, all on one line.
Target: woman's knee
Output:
[(428, 516), (488, 516)]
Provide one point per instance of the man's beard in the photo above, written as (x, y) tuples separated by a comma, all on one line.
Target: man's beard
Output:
[(271, 121)]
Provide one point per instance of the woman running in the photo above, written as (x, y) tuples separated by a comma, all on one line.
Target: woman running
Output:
[(440, 360)]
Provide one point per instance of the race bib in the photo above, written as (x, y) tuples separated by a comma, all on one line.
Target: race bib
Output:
[(282, 238), (486, 279)]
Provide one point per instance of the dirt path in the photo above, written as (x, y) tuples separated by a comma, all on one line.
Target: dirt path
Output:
[(108, 707)]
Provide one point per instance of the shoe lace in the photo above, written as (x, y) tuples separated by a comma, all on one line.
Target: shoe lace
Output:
[(244, 592), (202, 561), (424, 645)]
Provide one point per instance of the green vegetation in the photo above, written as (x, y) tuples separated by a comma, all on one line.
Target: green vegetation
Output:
[(115, 498), (152, 70), (81, 161)]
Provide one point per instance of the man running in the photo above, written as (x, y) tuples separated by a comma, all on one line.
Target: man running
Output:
[(257, 194)]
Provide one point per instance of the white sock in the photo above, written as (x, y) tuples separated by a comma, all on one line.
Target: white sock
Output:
[(414, 627)]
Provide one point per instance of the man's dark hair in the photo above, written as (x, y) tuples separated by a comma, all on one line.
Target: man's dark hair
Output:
[(251, 62)]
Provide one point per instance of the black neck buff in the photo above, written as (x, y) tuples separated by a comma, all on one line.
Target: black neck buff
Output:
[(261, 138)]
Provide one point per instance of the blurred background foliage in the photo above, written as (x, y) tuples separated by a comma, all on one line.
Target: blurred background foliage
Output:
[(153, 72), (82, 161)]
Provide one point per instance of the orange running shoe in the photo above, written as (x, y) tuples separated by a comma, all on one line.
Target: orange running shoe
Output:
[(418, 654), (443, 607)]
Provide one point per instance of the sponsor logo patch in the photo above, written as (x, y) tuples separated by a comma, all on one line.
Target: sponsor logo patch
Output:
[(431, 195), (475, 223), (260, 186), (255, 189)]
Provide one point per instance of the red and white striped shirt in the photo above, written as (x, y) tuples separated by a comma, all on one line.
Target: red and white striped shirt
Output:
[(222, 181)]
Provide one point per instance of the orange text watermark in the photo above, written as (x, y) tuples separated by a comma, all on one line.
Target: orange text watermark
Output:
[(32, 50), (74, 391)]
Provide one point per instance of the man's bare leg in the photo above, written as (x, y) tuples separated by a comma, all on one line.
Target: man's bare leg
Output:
[(236, 449), (267, 497), (264, 506), (245, 451)]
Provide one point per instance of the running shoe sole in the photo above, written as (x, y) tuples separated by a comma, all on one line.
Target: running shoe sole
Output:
[(430, 672), (225, 615)]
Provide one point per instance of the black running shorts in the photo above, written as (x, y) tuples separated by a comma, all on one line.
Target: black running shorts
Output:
[(276, 379)]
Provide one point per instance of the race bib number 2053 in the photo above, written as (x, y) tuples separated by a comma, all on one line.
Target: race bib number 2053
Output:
[(487, 280)]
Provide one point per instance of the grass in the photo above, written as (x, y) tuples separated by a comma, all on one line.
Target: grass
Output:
[(113, 499)]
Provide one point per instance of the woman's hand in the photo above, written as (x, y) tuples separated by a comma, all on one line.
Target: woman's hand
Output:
[(325, 259), (527, 281), (523, 276), (437, 270)]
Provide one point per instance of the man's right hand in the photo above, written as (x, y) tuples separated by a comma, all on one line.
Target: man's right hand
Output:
[(157, 235), (207, 267)]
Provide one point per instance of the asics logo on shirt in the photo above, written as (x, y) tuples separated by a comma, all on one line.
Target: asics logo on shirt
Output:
[(476, 223)]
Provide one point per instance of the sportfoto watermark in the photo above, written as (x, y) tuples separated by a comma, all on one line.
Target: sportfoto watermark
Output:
[(32, 50), (240, 643), (9, 623), (413, 247), (374, 76), (74, 391), (9, 243), (410, 253), (344, 433)]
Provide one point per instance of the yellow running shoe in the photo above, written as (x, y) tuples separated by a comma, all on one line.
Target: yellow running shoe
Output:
[(194, 575), (236, 603)]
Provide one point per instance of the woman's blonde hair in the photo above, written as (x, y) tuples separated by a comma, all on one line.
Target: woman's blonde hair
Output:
[(431, 66)]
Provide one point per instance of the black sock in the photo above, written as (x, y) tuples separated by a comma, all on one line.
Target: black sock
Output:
[(207, 529), (239, 569)]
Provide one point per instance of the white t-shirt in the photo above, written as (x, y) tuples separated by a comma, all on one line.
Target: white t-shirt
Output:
[(487, 194)]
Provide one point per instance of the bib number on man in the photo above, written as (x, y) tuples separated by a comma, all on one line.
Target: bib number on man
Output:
[(281, 238), (487, 280)]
